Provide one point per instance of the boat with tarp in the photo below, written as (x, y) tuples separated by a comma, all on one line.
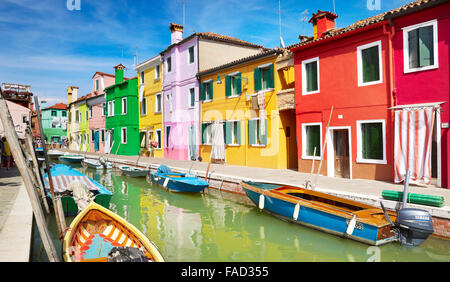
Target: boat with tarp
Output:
[(178, 182)]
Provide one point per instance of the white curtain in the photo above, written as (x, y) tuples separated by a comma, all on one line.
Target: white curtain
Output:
[(107, 142), (218, 142), (412, 144)]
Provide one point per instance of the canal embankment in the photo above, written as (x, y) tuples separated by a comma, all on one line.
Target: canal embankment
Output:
[(227, 178)]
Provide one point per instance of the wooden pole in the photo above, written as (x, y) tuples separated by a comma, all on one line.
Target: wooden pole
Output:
[(57, 206), (12, 138), (37, 172)]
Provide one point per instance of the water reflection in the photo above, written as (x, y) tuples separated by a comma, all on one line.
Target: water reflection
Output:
[(216, 226)]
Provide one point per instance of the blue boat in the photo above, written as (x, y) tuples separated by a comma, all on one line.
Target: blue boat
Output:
[(335, 215), (62, 176), (178, 182)]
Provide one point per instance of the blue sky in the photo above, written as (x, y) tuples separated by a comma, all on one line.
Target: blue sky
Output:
[(48, 46)]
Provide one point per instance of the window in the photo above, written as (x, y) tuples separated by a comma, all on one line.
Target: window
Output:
[(264, 77), (207, 90), (233, 86), (143, 138), (420, 46), (167, 136), (103, 135), (369, 64), (64, 113), (157, 71), (311, 138), (113, 106), (77, 116), (191, 55), (104, 109), (96, 84), (142, 77), (158, 138), (310, 76), (158, 103), (169, 64), (371, 138), (255, 136), (191, 97), (144, 106), (90, 111), (53, 113), (233, 132), (87, 114), (124, 135), (206, 133), (124, 106)]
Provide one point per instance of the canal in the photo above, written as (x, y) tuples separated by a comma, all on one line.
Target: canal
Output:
[(222, 227)]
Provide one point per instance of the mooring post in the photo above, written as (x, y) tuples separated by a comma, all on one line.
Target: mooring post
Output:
[(16, 151)]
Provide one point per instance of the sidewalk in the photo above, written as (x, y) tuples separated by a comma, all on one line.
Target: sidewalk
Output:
[(16, 217)]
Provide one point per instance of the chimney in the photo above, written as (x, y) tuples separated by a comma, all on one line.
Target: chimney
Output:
[(119, 73), (176, 31), (72, 94), (322, 22), (43, 105)]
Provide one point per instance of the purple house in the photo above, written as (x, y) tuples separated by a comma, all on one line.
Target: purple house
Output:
[(183, 60)]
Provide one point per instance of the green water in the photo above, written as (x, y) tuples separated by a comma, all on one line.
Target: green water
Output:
[(222, 227)]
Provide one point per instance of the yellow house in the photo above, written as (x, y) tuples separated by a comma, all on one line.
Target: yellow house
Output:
[(253, 99), (150, 76)]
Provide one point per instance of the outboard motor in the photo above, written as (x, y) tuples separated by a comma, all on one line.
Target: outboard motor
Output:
[(413, 225)]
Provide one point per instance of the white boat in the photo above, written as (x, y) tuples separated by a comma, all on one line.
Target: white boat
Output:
[(54, 153), (97, 164), (134, 171), (71, 158)]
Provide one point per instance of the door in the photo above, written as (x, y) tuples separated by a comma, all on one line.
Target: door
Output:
[(96, 140), (341, 153)]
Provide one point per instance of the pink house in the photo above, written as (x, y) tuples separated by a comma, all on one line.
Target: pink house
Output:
[(420, 46), (97, 112)]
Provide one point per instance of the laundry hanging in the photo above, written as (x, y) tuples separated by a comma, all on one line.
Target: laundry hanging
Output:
[(262, 111), (218, 141), (412, 144)]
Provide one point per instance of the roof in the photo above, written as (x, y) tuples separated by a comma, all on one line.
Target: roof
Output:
[(411, 7), (103, 73), (59, 106), (263, 54), (215, 37)]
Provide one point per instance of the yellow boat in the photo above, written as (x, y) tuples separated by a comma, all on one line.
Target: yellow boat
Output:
[(95, 231)]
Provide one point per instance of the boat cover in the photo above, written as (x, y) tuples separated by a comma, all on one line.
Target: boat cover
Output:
[(61, 182)]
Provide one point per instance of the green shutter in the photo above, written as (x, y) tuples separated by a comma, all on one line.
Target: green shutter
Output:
[(238, 132), (271, 77), (251, 132), (238, 82), (202, 92), (228, 132), (263, 138), (311, 77), (413, 48), (203, 133), (313, 140), (210, 88), (227, 86), (370, 64), (426, 55), (257, 78), (372, 141)]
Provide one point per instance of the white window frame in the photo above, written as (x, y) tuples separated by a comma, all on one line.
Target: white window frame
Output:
[(304, 156), (169, 70), (121, 135), (188, 57), (304, 63), (359, 158), (190, 106), (144, 102), (406, 68), (207, 98), (157, 71), (124, 109), (359, 63), (208, 133), (159, 143), (158, 108), (233, 125), (258, 119)]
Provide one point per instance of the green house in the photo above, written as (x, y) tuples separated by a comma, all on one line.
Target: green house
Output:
[(54, 122), (122, 120)]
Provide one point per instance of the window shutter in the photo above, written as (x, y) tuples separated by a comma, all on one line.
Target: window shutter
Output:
[(210, 88), (370, 64), (167, 136), (227, 86), (413, 48), (426, 56), (271, 77), (238, 134), (263, 138), (311, 76), (251, 132), (257, 78), (202, 92), (203, 133), (238, 82), (228, 132)]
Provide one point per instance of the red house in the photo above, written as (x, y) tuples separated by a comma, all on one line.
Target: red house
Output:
[(346, 70), (421, 39)]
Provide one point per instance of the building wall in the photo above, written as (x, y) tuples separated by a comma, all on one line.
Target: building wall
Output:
[(338, 88), (272, 155), (18, 112), (431, 85), (47, 120), (84, 127)]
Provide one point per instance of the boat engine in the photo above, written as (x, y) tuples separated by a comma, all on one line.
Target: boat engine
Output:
[(414, 226)]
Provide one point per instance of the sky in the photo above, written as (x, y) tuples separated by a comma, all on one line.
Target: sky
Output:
[(53, 44)]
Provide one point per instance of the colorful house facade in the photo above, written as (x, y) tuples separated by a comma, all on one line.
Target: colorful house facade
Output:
[(122, 120), (54, 122), (241, 98), (183, 59), (342, 93), (83, 127), (150, 76), (420, 46), (73, 118)]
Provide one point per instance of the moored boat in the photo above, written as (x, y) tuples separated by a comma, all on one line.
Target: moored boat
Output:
[(97, 164), (54, 153), (71, 158), (96, 231), (335, 215), (178, 182), (134, 171), (63, 176)]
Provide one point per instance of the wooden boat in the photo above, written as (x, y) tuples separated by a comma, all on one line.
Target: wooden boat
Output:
[(54, 153), (134, 171), (97, 164), (96, 230), (71, 158), (335, 215), (62, 176), (178, 182)]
